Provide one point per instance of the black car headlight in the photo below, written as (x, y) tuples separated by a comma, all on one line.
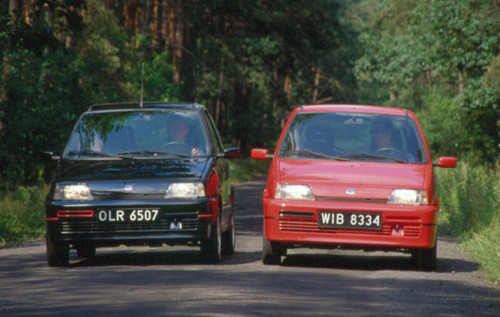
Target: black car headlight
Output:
[(185, 190), (72, 192)]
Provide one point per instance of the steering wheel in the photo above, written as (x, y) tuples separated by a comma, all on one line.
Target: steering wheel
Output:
[(178, 147), (392, 153), (388, 150)]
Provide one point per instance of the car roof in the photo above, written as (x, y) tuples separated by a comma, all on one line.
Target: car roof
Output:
[(354, 108), (145, 105)]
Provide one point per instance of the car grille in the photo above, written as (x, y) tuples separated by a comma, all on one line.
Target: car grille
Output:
[(94, 226), (311, 225)]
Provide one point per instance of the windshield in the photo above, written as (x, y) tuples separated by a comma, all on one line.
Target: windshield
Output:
[(138, 134), (353, 137)]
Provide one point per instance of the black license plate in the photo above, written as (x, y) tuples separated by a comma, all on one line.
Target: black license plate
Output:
[(349, 220), (128, 215)]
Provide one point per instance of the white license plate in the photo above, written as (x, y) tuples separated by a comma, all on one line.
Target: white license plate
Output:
[(349, 220), (128, 215)]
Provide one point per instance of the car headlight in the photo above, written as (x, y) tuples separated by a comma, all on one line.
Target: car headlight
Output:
[(293, 192), (185, 190), (408, 197), (72, 192)]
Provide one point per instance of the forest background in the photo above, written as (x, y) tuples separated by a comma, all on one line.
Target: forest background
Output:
[(250, 63)]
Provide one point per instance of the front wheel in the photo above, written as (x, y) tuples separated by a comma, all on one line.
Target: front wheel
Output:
[(57, 253), (228, 238), (425, 259), (271, 252), (211, 249)]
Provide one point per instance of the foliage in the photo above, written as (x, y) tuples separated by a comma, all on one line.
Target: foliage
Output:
[(470, 207), (43, 97), (22, 214), (485, 247), (156, 76), (256, 61), (46, 83), (444, 137), (445, 48)]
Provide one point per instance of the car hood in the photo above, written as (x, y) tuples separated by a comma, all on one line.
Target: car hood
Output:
[(137, 176), (73, 170), (352, 180)]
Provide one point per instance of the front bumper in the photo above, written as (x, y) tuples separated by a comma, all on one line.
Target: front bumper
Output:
[(112, 223), (295, 224)]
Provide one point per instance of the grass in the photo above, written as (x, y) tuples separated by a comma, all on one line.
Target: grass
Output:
[(470, 208), (22, 215)]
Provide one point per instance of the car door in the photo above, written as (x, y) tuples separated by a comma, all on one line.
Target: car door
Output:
[(221, 167)]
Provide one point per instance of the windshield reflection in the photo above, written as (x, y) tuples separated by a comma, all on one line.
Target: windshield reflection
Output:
[(138, 134), (353, 137)]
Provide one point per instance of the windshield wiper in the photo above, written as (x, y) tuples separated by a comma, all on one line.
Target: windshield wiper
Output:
[(309, 153), (370, 156), (90, 153), (149, 153)]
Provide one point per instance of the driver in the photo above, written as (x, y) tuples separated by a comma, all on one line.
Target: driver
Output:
[(381, 132), (177, 131)]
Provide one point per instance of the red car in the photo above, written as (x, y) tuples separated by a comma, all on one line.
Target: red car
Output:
[(351, 177)]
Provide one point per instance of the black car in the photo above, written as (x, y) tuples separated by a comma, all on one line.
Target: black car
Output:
[(141, 174)]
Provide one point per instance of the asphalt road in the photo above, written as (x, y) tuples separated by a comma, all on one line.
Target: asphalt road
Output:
[(175, 282)]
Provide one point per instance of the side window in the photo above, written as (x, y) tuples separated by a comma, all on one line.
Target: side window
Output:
[(213, 132)]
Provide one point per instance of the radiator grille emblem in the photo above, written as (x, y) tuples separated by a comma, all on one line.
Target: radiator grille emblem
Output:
[(351, 191)]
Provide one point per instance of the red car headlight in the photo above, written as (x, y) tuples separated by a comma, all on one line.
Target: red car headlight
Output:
[(293, 192), (408, 197)]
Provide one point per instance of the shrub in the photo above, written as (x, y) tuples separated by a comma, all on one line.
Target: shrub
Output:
[(470, 207), (22, 214)]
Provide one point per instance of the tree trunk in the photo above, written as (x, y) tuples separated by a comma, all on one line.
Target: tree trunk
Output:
[(220, 92), (155, 43), (179, 42), (315, 93), (461, 81), (131, 14)]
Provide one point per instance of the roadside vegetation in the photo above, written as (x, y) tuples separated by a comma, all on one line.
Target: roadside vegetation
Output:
[(470, 210), (22, 215), (250, 63)]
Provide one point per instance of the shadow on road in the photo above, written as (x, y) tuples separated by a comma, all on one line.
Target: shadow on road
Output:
[(168, 258), (373, 262)]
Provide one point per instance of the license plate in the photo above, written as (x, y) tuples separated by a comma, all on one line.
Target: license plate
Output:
[(349, 220), (128, 215)]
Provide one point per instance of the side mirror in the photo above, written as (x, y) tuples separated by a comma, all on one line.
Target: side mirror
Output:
[(48, 155), (446, 162), (232, 152), (260, 154)]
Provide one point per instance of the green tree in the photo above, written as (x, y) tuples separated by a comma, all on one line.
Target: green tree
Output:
[(256, 60), (444, 46)]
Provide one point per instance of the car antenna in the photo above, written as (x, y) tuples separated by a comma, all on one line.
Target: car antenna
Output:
[(142, 85)]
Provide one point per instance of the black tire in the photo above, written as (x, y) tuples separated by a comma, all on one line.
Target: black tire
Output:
[(425, 259), (86, 250), (57, 253), (271, 252), (229, 238), (211, 249)]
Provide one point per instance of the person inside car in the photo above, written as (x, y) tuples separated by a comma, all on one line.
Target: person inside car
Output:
[(383, 141), (381, 133), (177, 132)]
